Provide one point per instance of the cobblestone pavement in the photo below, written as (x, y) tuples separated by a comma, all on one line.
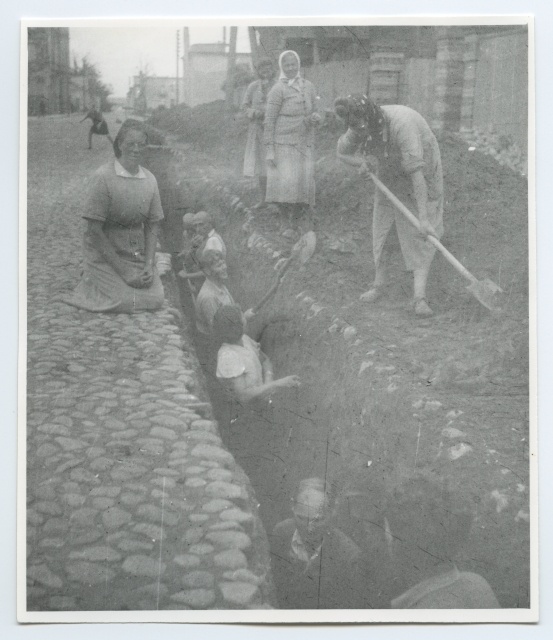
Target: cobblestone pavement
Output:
[(132, 500)]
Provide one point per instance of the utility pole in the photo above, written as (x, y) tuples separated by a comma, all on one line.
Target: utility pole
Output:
[(178, 56), (253, 46), (231, 68)]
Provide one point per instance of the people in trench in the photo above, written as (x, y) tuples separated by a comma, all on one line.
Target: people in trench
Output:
[(428, 525), (212, 295), (397, 142), (122, 214), (199, 235), (253, 106), (244, 371), (291, 118), (315, 564)]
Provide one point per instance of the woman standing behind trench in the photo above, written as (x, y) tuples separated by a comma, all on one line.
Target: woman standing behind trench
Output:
[(253, 105), (290, 120)]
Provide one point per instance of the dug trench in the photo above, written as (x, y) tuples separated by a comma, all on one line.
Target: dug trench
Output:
[(381, 394)]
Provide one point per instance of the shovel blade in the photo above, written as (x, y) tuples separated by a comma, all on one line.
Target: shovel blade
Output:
[(486, 292)]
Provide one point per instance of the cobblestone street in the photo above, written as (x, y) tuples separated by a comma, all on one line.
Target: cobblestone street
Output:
[(132, 500)]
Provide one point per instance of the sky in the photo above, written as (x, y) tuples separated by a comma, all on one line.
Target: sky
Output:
[(119, 53)]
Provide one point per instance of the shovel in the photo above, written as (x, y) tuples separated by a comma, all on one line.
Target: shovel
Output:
[(485, 291), (302, 250)]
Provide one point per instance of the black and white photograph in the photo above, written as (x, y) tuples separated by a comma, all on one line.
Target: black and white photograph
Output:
[(353, 202)]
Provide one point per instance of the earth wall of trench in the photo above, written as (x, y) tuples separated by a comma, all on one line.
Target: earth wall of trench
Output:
[(367, 411)]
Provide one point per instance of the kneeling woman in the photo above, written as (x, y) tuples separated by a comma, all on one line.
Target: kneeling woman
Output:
[(122, 215)]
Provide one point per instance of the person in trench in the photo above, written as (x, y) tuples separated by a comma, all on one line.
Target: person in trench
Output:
[(315, 564), (212, 295), (397, 142), (246, 387), (253, 106), (122, 214), (428, 524), (291, 118), (199, 236)]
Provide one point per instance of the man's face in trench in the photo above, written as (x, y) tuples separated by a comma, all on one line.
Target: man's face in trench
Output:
[(312, 516)]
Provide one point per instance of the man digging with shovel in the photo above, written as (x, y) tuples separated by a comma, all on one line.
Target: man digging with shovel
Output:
[(400, 143)]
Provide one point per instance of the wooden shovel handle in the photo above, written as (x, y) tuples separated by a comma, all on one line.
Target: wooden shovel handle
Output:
[(275, 286), (415, 222)]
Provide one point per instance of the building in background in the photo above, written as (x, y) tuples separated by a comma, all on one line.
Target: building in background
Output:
[(148, 93), (205, 71), (49, 71), (473, 77)]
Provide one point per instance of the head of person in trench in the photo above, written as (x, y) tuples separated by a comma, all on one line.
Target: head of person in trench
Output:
[(313, 509), (366, 119), (202, 223), (427, 523), (130, 139), (213, 264), (228, 324)]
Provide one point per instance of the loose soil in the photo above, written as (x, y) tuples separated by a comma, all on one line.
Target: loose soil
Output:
[(382, 393)]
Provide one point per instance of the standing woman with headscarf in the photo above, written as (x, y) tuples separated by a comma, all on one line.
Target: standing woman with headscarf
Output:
[(399, 141), (290, 120), (253, 105)]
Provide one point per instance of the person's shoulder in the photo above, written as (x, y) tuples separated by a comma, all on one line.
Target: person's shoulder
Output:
[(476, 581), (149, 175)]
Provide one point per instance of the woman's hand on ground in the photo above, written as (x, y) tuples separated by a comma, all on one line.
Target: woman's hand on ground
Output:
[(249, 314)]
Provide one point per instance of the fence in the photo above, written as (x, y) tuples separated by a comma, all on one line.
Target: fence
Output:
[(494, 95)]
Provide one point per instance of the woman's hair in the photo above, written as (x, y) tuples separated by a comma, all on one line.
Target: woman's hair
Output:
[(208, 257), (361, 106), (227, 324), (424, 510), (128, 125)]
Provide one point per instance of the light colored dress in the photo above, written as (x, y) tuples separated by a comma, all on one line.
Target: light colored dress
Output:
[(411, 145), (123, 203), (290, 138), (255, 98)]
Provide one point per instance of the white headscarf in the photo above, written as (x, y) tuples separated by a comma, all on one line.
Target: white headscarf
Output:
[(283, 76)]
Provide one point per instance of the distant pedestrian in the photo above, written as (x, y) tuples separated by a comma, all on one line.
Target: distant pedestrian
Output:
[(428, 525), (253, 105), (122, 214), (42, 106), (398, 141), (315, 564), (99, 126), (290, 120)]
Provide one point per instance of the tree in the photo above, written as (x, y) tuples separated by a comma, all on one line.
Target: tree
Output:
[(97, 91)]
